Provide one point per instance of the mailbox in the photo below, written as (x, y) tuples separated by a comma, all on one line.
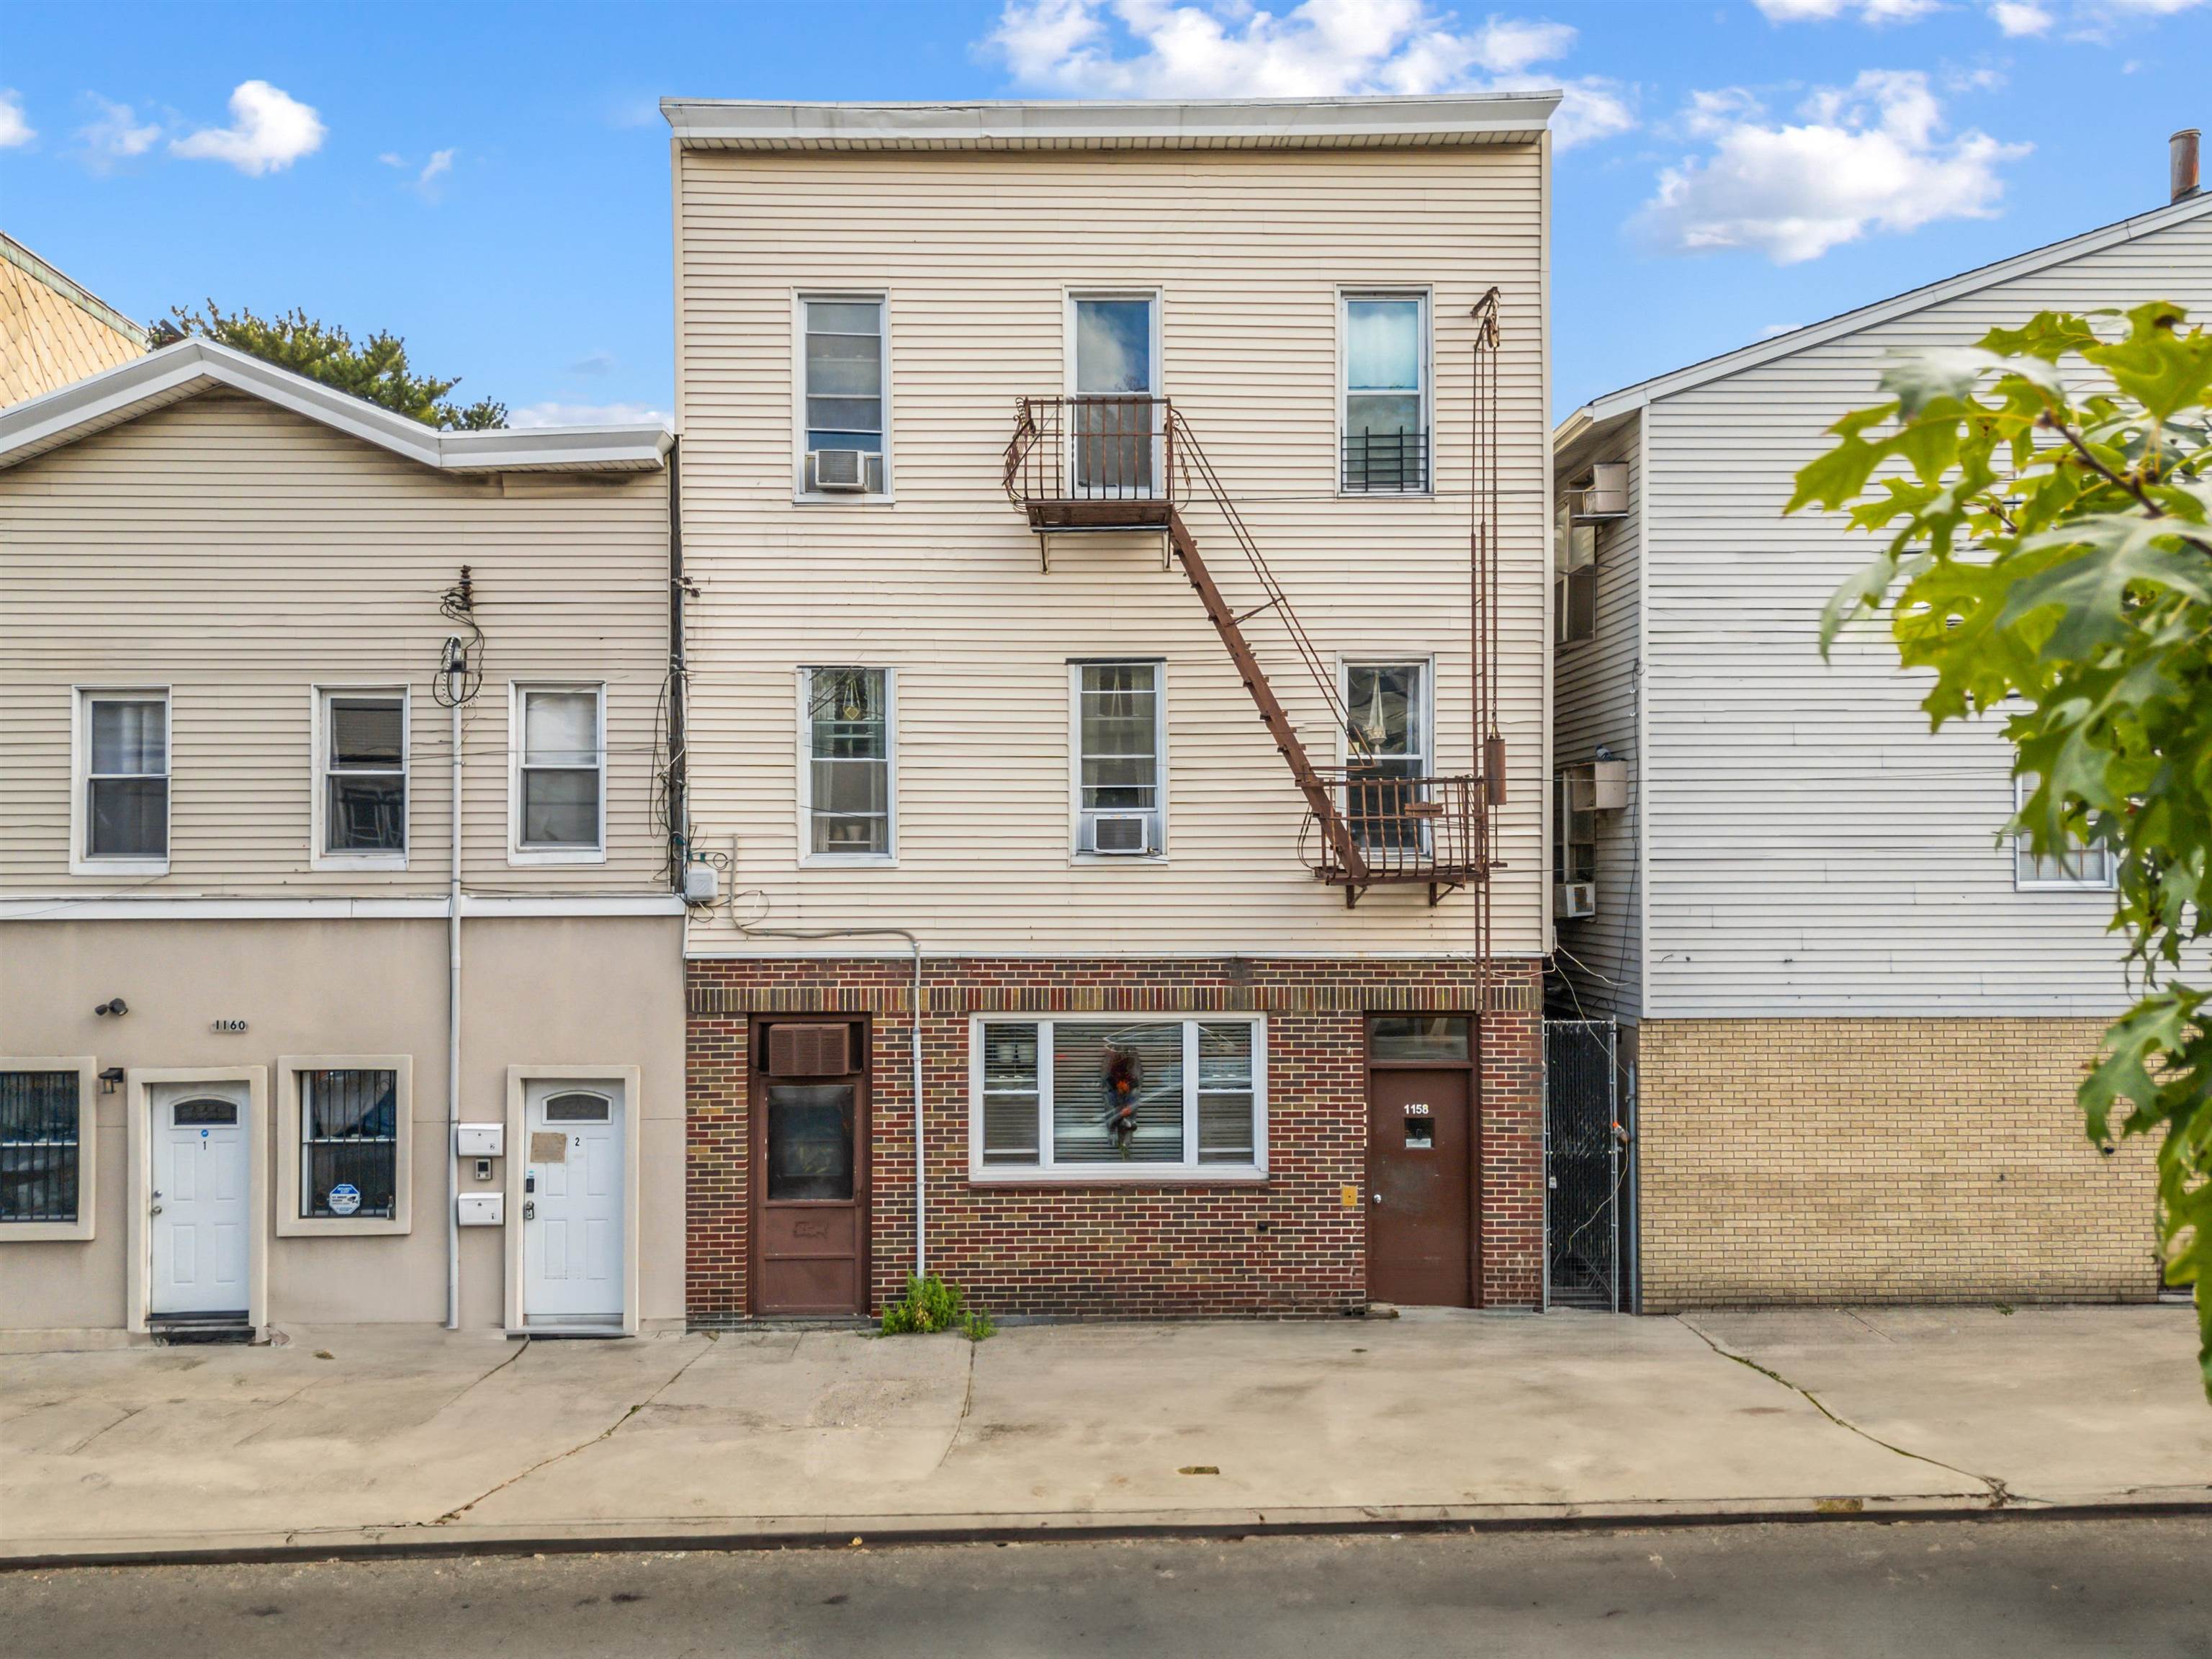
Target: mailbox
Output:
[(484, 1209), (479, 1139)]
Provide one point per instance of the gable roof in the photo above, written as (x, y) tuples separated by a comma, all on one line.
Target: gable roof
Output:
[(1613, 404), (53, 331), (191, 367)]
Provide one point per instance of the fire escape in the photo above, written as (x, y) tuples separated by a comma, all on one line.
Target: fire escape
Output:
[(1130, 463)]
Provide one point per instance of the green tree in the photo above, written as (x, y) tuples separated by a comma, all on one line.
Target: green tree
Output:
[(376, 370), (2046, 498)]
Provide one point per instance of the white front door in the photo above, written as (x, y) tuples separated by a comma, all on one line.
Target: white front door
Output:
[(200, 1198), (572, 1203)]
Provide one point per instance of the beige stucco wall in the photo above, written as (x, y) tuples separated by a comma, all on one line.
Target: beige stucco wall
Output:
[(977, 253), (1883, 1160), (594, 991)]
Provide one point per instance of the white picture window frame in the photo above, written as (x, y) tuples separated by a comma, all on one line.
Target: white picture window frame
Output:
[(518, 696), (291, 1148), (809, 859), (87, 1068), (1424, 706), (1188, 1172), (1157, 299), (881, 298), (81, 860), (2027, 878), (319, 699), (1075, 668), (1426, 295)]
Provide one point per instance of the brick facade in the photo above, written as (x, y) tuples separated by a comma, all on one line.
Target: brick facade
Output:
[(1883, 1160), (1289, 1245)]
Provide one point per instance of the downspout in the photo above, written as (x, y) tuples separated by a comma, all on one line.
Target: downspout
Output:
[(913, 1045), (453, 1049)]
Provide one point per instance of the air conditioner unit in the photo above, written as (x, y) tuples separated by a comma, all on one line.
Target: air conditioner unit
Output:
[(1571, 899), (844, 472), (1120, 834), (1600, 494)]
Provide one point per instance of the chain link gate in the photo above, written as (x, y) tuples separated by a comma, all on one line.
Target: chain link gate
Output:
[(1585, 1167)]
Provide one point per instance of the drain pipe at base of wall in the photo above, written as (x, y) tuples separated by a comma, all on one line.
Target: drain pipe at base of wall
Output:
[(913, 1043)]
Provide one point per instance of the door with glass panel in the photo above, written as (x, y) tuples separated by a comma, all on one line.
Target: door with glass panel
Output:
[(1118, 425), (199, 1200), (572, 1225), (810, 1146)]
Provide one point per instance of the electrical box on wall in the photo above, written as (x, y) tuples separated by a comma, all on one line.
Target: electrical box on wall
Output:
[(479, 1139), (484, 1209)]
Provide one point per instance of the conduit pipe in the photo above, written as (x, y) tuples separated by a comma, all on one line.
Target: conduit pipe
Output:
[(453, 1046), (913, 1044)]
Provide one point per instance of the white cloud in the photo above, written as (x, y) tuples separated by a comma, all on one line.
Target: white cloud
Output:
[(116, 135), (2154, 8), (269, 131), (1319, 48), (601, 361), (1866, 11), (1869, 156), (440, 163), (16, 128), (561, 414), (390, 159), (2018, 18)]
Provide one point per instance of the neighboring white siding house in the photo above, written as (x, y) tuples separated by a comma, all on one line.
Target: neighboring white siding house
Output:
[(1797, 847)]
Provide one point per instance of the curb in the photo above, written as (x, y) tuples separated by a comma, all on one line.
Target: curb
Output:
[(732, 1534)]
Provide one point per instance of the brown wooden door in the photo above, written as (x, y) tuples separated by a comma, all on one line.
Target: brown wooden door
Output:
[(1419, 1187), (810, 1140)]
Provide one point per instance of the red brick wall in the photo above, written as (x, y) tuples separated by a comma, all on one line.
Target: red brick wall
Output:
[(1290, 1246)]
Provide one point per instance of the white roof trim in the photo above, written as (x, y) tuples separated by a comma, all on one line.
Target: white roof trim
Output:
[(1225, 124), (144, 384), (1919, 299)]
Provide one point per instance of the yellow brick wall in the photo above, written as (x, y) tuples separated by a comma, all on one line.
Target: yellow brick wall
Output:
[(1883, 1160)]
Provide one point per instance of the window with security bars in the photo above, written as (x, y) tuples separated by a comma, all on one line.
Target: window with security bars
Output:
[(1119, 1097), (39, 1150), (1385, 415), (847, 786), (2078, 866), (561, 779), (364, 751), (349, 1144), (126, 776)]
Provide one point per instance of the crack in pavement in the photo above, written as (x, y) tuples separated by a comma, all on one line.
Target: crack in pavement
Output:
[(583, 1445), (967, 1404), (103, 1429), (2001, 1495)]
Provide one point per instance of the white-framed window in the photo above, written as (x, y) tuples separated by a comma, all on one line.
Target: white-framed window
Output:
[(557, 781), (843, 413), (2083, 866), (1574, 579), (119, 806), (1388, 718), (847, 766), (345, 1134), (361, 776), (1118, 737), (1117, 428), (47, 1155), (1122, 1097), (1386, 406)]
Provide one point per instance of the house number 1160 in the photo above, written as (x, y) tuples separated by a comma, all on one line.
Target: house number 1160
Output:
[(227, 1027)]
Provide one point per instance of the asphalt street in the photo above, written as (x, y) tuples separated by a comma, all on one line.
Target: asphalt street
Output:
[(2020, 1588)]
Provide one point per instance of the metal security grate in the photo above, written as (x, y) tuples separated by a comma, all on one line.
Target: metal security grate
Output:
[(1585, 1164)]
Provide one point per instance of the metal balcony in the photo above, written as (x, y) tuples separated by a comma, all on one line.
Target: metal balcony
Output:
[(1416, 831), (1093, 462)]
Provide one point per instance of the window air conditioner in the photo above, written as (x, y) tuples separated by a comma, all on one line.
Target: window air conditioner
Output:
[(1600, 494), (844, 472), (1122, 834), (1571, 899)]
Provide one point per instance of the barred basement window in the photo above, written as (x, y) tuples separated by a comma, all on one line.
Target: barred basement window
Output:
[(41, 1147), (1119, 1099), (349, 1145)]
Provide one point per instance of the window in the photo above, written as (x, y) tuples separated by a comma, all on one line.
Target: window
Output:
[(1417, 1039), (559, 787), (123, 797), (1120, 1099), (846, 770), (46, 1163), (361, 744), (1121, 758), (1385, 415), (1574, 579), (842, 396), (1118, 425), (346, 1144), (2081, 866), (1386, 745), (1574, 847)]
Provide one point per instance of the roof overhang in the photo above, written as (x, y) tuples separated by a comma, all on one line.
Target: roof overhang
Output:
[(1574, 438), (1517, 118), (191, 367)]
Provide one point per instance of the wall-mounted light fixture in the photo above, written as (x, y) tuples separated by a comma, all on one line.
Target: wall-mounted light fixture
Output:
[(111, 1079)]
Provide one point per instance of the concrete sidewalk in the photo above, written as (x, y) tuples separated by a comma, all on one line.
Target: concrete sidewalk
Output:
[(364, 1438)]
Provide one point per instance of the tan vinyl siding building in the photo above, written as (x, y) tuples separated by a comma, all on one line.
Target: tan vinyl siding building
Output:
[(232, 579), (1808, 880), (51, 330)]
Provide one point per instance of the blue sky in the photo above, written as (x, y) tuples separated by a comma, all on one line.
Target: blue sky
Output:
[(491, 181)]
